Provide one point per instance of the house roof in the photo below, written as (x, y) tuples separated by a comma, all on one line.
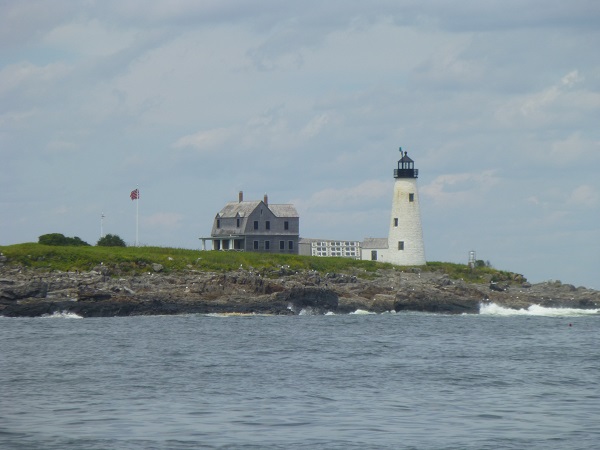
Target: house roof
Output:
[(232, 209), (283, 210), (375, 243), (244, 209)]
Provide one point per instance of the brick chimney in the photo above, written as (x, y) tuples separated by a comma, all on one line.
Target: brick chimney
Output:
[(241, 196), (266, 200)]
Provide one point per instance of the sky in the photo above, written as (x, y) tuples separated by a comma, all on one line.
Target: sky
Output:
[(497, 102)]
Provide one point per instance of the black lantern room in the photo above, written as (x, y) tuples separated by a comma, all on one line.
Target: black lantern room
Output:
[(406, 167)]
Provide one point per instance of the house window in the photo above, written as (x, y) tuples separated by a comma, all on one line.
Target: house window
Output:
[(267, 245), (286, 225), (291, 245), (411, 197), (237, 223), (281, 245), (395, 221), (400, 245), (373, 255), (256, 224), (218, 223), (268, 225), (255, 245)]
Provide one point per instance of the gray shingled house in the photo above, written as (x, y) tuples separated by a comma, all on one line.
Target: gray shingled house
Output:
[(255, 226)]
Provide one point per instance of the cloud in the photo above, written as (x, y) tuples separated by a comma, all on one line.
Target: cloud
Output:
[(552, 105), (449, 68), (585, 196), (30, 78), (534, 104), (165, 220), (315, 125), (205, 141), (460, 189), (352, 197)]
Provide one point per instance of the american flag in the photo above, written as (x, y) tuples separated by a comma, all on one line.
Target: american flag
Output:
[(135, 194)]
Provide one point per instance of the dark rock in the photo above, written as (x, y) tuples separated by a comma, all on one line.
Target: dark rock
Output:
[(13, 291), (86, 293), (319, 299), (442, 303), (444, 281), (500, 287), (34, 292)]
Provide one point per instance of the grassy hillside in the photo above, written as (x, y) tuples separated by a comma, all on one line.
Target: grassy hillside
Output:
[(130, 260)]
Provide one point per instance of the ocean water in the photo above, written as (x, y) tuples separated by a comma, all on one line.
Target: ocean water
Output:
[(502, 379)]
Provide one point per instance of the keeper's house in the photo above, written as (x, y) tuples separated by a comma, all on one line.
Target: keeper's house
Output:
[(255, 226)]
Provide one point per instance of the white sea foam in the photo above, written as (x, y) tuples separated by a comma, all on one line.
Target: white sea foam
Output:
[(236, 314), (492, 309), (62, 315), (362, 312)]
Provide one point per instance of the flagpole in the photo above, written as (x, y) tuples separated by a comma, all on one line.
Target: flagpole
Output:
[(137, 215)]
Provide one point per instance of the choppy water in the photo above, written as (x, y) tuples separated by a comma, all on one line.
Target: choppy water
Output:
[(528, 379)]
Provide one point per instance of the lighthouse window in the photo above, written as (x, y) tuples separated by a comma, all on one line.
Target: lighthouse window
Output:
[(400, 245), (395, 221), (411, 197)]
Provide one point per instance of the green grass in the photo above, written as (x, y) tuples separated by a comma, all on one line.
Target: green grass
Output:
[(131, 260), (476, 275), (138, 259)]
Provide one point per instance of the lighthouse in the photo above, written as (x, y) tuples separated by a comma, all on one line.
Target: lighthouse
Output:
[(404, 244), (405, 239)]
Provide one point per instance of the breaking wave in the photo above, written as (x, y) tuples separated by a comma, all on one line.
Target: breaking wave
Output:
[(62, 315), (362, 312), (492, 309)]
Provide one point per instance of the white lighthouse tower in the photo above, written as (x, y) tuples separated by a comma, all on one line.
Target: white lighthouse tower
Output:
[(405, 239)]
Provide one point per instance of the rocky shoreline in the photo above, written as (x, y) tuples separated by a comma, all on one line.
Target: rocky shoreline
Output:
[(102, 293)]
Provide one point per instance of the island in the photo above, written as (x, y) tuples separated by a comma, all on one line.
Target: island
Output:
[(38, 280)]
